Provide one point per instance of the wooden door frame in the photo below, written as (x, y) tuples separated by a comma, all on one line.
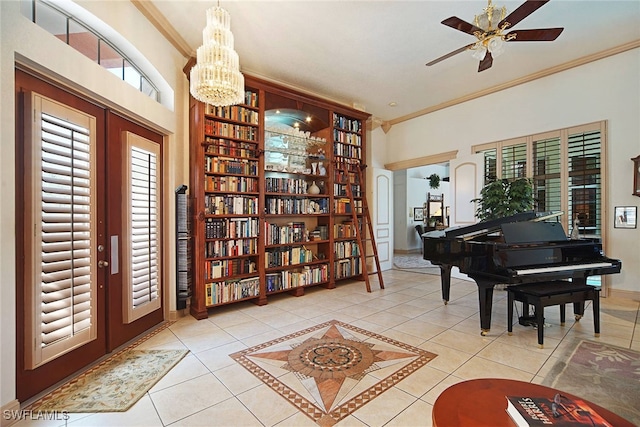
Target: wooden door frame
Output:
[(31, 382)]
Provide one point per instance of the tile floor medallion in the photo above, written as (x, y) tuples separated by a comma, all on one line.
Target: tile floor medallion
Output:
[(332, 369)]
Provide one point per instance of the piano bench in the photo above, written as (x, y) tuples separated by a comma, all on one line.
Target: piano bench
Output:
[(558, 292)]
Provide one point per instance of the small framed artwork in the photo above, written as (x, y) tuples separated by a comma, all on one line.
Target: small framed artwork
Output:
[(418, 214), (626, 217)]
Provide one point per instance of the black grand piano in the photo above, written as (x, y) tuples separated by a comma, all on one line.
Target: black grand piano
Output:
[(523, 248)]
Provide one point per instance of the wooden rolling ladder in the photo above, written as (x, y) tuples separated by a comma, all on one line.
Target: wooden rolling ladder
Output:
[(363, 228)]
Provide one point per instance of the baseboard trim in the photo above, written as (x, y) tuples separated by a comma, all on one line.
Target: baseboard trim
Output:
[(624, 294), (407, 251), (10, 413)]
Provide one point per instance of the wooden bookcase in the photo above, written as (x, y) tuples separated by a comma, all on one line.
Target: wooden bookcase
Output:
[(268, 206)]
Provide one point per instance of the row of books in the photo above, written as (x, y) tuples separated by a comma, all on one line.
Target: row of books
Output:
[(221, 228), (292, 279), (346, 229), (345, 150), (235, 112), (343, 122), (230, 183), (294, 255), (296, 206), (347, 137), (251, 98), (346, 249), (228, 248), (342, 177), (228, 267), (230, 205), (228, 147), (230, 130), (233, 290), (341, 190), (286, 185), (343, 205), (293, 232), (347, 268), (235, 166)]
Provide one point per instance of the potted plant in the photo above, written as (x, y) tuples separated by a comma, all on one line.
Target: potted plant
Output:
[(501, 198), (434, 180)]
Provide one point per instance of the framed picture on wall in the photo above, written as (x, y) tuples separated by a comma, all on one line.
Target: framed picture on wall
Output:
[(626, 217), (418, 214)]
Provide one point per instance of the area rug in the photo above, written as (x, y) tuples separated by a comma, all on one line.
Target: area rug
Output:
[(115, 383), (335, 368), (413, 261), (602, 373)]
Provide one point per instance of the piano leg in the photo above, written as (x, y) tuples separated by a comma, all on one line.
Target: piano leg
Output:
[(578, 307), (485, 295), (445, 281)]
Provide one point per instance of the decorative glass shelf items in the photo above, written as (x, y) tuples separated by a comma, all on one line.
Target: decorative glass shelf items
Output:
[(287, 149)]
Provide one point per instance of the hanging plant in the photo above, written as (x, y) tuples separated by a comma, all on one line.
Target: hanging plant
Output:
[(434, 180)]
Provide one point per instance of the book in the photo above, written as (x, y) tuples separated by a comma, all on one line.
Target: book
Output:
[(560, 411)]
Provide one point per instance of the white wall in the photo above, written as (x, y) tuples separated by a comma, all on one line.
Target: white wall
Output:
[(608, 89), (25, 42)]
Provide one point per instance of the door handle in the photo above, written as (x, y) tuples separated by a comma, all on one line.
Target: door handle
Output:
[(102, 264)]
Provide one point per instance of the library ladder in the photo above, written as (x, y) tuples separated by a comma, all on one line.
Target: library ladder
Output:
[(364, 230)]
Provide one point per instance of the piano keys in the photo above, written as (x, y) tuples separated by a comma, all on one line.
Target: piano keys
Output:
[(523, 248)]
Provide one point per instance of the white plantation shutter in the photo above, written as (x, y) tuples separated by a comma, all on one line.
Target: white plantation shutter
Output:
[(143, 222), (62, 212)]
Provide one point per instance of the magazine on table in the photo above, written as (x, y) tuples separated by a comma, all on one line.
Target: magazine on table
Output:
[(559, 411)]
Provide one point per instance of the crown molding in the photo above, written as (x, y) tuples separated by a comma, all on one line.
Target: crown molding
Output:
[(526, 79), (163, 25), (422, 161)]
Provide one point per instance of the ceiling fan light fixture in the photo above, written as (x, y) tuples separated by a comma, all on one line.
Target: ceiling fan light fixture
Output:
[(216, 78), (490, 17), (496, 46), (479, 51)]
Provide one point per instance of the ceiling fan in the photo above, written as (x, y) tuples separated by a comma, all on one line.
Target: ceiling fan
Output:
[(489, 28)]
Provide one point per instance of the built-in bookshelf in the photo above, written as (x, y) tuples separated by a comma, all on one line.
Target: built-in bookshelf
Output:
[(348, 154), (297, 209), (271, 212), (226, 178)]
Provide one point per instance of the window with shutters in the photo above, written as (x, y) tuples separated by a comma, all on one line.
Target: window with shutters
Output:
[(585, 187), (514, 161), (547, 179), (566, 170), (61, 225), (142, 219)]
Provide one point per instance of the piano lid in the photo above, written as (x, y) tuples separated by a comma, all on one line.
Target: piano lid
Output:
[(532, 232), (486, 227)]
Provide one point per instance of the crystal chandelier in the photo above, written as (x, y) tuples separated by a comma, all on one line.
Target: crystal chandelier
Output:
[(216, 78), (492, 38)]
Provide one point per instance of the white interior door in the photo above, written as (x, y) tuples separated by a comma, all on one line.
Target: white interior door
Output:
[(467, 179), (382, 215)]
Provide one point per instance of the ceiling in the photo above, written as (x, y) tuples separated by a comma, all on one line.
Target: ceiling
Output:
[(369, 54)]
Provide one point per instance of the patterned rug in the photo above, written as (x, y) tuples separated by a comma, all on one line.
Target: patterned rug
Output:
[(602, 373), (411, 261), (116, 383), (332, 365)]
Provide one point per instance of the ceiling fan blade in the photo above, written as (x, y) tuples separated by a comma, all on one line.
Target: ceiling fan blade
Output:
[(524, 10), (486, 63), (460, 25), (449, 55), (537, 35)]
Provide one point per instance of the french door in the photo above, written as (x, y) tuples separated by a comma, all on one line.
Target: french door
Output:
[(88, 248)]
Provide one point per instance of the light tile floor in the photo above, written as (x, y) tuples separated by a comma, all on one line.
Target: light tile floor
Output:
[(208, 388)]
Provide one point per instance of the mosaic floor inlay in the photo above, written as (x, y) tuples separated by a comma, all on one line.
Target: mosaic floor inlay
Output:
[(337, 368)]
